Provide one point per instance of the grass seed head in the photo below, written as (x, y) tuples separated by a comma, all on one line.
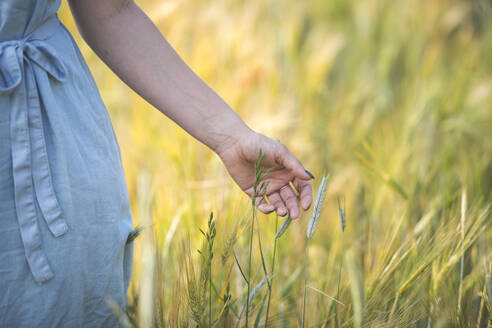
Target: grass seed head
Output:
[(257, 289), (283, 227), (320, 197), (341, 210)]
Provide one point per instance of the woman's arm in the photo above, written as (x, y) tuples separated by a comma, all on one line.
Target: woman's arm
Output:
[(132, 46)]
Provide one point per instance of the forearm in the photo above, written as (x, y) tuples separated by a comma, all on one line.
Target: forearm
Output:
[(131, 45)]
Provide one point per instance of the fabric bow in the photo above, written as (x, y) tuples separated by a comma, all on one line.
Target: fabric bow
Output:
[(30, 166)]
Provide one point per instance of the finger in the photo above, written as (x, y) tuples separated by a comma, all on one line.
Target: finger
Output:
[(285, 158), (290, 200), (306, 192), (277, 201), (263, 206)]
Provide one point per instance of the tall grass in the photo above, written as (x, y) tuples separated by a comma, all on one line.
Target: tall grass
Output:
[(312, 224), (259, 189), (146, 292), (391, 97), (272, 271), (342, 211), (210, 238)]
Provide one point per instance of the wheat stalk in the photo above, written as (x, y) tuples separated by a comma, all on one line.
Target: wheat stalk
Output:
[(320, 197), (283, 227), (341, 210), (313, 223), (146, 304), (257, 289), (273, 268), (462, 226)]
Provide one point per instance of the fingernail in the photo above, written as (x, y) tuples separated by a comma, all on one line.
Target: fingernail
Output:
[(309, 173), (282, 211)]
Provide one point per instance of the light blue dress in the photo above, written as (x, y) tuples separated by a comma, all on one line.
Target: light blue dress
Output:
[(64, 207)]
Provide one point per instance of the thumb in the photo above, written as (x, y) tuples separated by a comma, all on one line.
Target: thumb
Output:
[(285, 158)]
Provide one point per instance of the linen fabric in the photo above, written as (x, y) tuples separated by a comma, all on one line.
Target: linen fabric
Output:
[(64, 204)]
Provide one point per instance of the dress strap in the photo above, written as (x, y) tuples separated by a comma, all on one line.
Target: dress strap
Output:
[(30, 165)]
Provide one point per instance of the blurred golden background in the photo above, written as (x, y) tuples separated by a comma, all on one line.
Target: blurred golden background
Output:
[(392, 99)]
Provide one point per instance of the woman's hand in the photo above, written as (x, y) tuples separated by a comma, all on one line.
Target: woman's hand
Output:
[(239, 158)]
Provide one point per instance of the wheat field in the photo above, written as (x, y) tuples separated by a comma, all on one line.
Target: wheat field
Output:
[(391, 100)]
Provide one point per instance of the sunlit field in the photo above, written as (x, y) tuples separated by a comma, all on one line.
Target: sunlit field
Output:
[(391, 100)]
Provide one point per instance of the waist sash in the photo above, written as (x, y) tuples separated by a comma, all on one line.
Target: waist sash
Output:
[(30, 165)]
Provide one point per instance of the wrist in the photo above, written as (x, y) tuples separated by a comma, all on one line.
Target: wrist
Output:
[(229, 136)]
